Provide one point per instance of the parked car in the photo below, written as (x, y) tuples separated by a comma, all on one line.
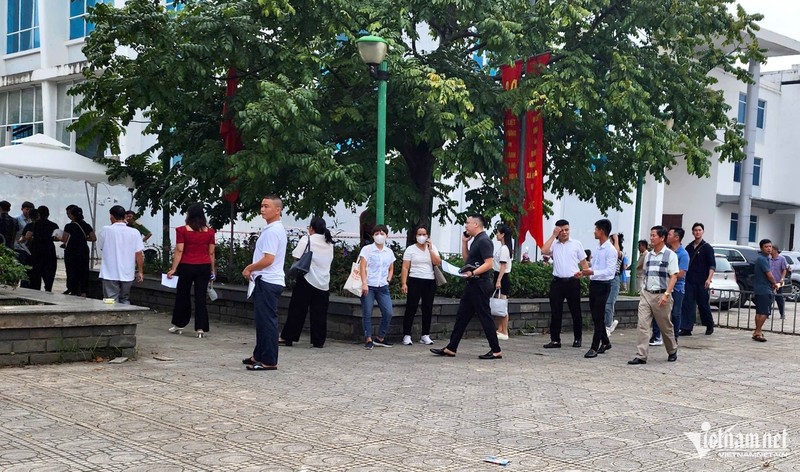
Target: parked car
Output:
[(793, 259), (724, 290), (743, 260)]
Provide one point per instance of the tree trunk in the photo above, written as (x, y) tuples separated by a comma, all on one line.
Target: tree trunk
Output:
[(420, 161)]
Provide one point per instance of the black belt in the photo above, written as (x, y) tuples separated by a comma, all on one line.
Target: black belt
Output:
[(655, 292), (564, 279), (607, 282)]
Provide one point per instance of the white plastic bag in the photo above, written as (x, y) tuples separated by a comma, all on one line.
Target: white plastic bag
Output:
[(499, 306), (212, 294), (353, 283)]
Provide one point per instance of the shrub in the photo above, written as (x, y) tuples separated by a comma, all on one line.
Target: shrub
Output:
[(11, 271)]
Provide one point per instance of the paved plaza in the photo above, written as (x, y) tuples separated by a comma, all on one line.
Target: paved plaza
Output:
[(345, 409)]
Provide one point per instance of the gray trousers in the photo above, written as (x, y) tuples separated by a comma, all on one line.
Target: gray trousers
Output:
[(118, 290)]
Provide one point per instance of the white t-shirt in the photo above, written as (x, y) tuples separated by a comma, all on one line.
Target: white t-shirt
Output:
[(272, 240), (501, 254), (567, 257), (420, 266), (378, 262), (119, 245), (319, 275)]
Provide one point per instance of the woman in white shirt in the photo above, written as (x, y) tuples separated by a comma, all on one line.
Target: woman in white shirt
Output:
[(418, 283), (502, 269), (311, 289)]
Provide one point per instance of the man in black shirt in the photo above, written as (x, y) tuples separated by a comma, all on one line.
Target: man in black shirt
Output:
[(702, 265), (8, 225), (478, 291)]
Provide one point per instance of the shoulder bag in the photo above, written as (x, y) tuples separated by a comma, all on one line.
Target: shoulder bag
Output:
[(302, 265)]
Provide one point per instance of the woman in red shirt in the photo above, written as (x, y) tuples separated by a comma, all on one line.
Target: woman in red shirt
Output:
[(194, 263)]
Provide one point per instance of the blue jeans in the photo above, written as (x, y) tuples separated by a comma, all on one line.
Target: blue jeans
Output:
[(612, 300), (381, 295), (265, 305), (677, 301)]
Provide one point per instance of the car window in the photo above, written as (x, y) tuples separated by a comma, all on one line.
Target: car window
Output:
[(723, 265), (789, 259), (735, 256)]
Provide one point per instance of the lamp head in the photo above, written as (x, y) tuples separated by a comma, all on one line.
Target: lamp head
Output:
[(372, 49)]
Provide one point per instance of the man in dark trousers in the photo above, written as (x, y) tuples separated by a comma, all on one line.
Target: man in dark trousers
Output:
[(478, 290), (702, 265), (604, 268)]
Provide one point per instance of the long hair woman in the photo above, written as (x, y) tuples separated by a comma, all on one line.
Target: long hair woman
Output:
[(419, 284), (312, 289), (76, 235), (194, 263), (502, 268)]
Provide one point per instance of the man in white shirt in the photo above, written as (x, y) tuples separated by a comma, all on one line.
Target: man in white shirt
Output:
[(568, 254), (122, 253), (603, 270), (266, 272), (655, 300), (376, 262)]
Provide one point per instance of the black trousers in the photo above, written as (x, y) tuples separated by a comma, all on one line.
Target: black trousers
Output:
[(419, 289), (77, 265), (306, 297), (188, 275), (475, 300), (43, 269), (571, 290), (598, 296)]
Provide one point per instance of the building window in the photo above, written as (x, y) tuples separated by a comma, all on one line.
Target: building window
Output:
[(737, 172), (65, 111), (22, 31), (734, 229), (78, 10), (761, 112), (20, 114)]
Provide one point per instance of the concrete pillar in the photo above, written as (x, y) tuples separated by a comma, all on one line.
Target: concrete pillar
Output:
[(746, 187)]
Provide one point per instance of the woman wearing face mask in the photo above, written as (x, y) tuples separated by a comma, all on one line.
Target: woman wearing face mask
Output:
[(502, 269), (376, 262), (418, 283)]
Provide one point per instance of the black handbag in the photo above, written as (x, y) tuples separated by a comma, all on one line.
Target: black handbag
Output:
[(303, 265)]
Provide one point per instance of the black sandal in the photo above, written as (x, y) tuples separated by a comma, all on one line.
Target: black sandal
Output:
[(259, 367)]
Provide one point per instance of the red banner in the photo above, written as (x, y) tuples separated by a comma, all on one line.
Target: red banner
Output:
[(510, 76), (533, 205)]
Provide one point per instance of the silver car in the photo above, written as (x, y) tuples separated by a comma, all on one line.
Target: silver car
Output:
[(793, 259), (724, 289)]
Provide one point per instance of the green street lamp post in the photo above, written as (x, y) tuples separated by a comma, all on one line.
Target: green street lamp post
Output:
[(372, 50)]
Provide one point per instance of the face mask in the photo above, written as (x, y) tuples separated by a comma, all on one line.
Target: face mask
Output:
[(379, 239), (422, 239)]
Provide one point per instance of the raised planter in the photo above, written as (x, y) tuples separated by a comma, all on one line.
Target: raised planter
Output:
[(344, 313), (42, 328)]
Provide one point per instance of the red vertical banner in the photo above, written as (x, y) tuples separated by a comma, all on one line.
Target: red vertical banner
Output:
[(533, 205), (510, 76)]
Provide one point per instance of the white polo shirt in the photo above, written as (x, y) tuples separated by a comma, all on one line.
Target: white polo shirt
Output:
[(319, 275), (378, 262), (272, 240), (119, 244), (567, 257)]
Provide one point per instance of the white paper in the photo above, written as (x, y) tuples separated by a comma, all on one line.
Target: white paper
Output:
[(58, 233), (451, 269), (250, 287), (169, 283)]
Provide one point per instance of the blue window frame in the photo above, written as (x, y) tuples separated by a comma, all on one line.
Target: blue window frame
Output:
[(78, 9), (737, 172), (761, 112), (22, 29), (734, 229)]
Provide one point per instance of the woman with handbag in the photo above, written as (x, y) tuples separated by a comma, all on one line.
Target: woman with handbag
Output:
[(310, 292), (194, 263), (418, 282), (76, 235), (502, 269)]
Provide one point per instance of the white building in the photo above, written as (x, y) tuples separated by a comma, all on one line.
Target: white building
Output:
[(43, 58)]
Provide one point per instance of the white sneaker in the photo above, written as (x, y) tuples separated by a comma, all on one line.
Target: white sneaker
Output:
[(657, 342), (425, 339), (613, 326), (608, 331), (175, 330), (407, 341), (502, 337)]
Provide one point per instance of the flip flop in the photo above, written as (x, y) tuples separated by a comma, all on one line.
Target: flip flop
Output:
[(759, 338), (248, 361), (260, 367)]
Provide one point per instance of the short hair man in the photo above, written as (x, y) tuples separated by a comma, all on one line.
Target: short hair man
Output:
[(266, 273), (674, 238), (702, 265), (22, 220), (603, 270), (376, 262), (655, 299), (130, 219), (568, 254), (764, 286), (122, 250), (779, 269), (8, 225), (478, 289)]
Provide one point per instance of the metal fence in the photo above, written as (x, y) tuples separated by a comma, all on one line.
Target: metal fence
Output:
[(742, 313)]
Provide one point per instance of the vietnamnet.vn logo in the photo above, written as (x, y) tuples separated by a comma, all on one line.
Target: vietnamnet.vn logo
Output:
[(733, 443)]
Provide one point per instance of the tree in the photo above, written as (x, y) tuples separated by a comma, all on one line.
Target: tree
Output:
[(306, 107)]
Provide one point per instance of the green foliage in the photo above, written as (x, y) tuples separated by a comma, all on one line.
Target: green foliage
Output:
[(307, 108), (11, 271)]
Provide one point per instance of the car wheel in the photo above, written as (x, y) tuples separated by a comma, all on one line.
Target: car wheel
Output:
[(794, 296), (725, 306)]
